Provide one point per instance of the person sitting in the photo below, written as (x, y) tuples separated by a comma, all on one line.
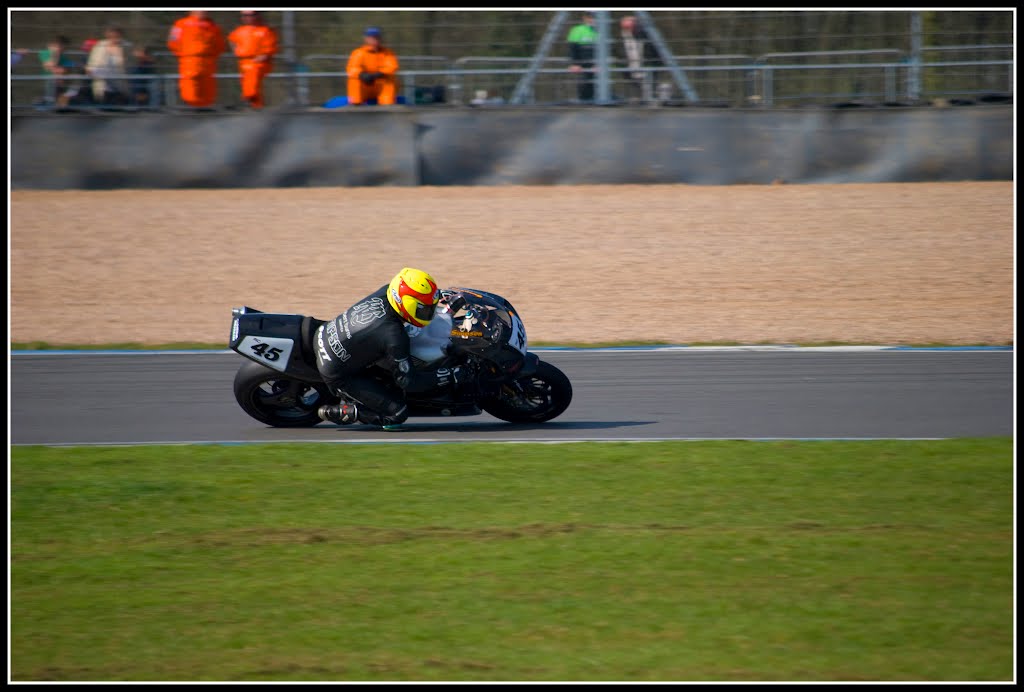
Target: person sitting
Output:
[(372, 72), (145, 91), (107, 65), (375, 331), (56, 61)]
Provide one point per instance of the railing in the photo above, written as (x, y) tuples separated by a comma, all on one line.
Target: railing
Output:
[(753, 82), (49, 97), (468, 83), (975, 47), (895, 55), (895, 52)]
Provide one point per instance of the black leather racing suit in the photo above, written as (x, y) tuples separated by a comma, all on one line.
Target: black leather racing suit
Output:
[(368, 333)]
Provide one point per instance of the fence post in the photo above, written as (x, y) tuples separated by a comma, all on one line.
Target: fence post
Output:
[(155, 86), (914, 76), (171, 89), (288, 29), (604, 91), (455, 81), (302, 84), (410, 90)]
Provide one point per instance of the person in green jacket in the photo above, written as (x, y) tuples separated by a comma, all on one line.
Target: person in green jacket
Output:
[(582, 41), (57, 62)]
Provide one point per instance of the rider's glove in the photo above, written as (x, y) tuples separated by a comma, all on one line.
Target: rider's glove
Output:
[(455, 302), (369, 77), (402, 373)]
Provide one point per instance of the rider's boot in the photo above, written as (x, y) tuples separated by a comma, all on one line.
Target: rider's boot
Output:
[(342, 414), (394, 420)]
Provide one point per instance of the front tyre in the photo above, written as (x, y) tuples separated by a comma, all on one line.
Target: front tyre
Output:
[(532, 399), (278, 400)]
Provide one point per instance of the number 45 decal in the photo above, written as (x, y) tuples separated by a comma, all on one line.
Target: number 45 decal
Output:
[(271, 351), (268, 352)]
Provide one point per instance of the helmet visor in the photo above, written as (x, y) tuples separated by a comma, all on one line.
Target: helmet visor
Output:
[(425, 312)]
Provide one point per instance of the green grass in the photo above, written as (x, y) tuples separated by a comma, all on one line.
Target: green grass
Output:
[(875, 560)]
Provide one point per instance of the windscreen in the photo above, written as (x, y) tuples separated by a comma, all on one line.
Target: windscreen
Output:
[(484, 321)]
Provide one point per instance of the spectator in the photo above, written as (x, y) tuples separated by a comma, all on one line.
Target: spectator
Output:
[(57, 62), (197, 42), (55, 59), (582, 38), (637, 52), (255, 44), (144, 90), (18, 55), (372, 72), (107, 65)]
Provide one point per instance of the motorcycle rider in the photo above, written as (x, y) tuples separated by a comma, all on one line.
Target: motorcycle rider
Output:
[(376, 330)]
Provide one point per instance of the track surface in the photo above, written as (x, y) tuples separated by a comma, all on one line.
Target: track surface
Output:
[(80, 399)]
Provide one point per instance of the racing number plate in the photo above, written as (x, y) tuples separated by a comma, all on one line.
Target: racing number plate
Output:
[(270, 351), (518, 336)]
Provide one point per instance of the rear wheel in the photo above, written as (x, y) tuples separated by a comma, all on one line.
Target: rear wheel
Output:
[(532, 399), (274, 398)]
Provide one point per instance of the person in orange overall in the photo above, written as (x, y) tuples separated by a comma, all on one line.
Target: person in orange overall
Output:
[(197, 42), (371, 71), (255, 45)]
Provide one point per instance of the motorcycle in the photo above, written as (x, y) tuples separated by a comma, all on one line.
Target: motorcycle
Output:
[(479, 332)]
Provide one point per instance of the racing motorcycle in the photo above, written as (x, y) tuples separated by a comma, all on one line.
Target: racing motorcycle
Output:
[(478, 331)]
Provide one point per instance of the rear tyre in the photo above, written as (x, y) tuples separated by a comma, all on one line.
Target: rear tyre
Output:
[(278, 400), (532, 399)]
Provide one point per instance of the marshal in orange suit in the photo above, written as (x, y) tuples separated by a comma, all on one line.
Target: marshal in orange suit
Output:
[(255, 45), (372, 71), (197, 42)]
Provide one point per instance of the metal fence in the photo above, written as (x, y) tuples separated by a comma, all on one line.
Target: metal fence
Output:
[(735, 58), (503, 33), (769, 80)]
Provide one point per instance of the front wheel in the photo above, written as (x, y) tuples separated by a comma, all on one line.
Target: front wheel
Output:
[(278, 400), (532, 399)]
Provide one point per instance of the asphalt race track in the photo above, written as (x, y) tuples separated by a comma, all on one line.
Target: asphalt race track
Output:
[(94, 399)]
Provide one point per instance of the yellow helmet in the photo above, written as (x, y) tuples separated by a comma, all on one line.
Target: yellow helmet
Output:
[(414, 295)]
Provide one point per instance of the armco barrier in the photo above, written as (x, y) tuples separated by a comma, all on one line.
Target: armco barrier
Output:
[(511, 146)]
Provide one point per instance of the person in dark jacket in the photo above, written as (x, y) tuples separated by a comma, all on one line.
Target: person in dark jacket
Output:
[(375, 332), (144, 87), (582, 42)]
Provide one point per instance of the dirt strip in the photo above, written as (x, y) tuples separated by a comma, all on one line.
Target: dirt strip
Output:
[(871, 263)]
